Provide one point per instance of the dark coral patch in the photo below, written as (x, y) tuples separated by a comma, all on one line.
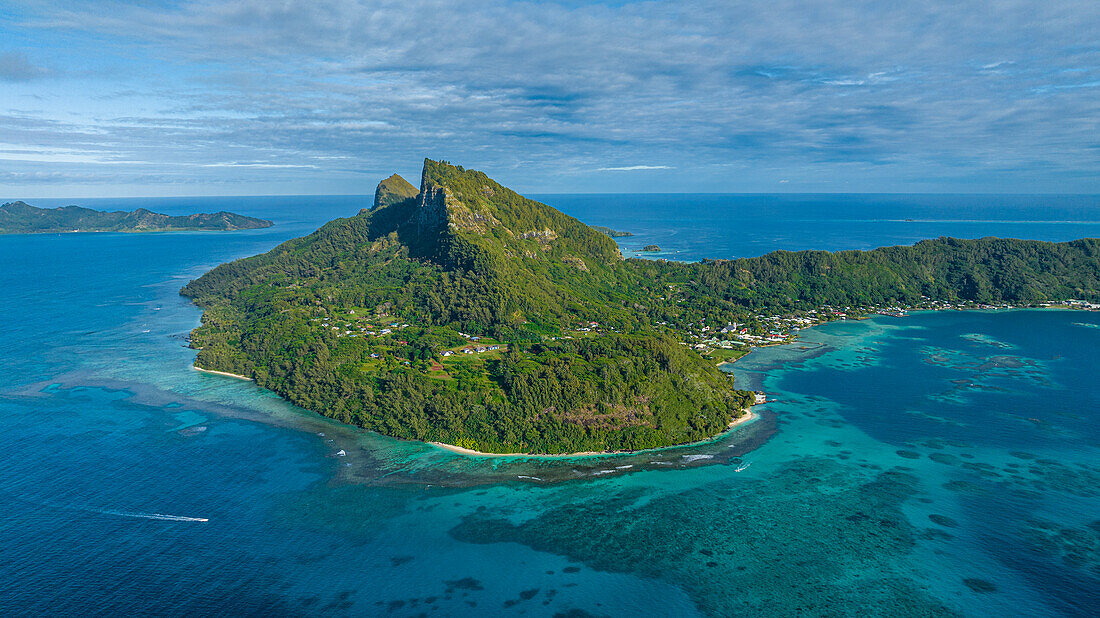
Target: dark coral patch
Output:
[(979, 585), (943, 520)]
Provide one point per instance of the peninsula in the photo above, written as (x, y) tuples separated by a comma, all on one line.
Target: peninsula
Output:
[(22, 218), (610, 232), (469, 315)]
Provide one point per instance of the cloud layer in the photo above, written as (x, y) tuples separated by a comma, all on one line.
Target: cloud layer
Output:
[(326, 96)]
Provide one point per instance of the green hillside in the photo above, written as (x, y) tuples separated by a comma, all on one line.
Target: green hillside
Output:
[(471, 315), (466, 257)]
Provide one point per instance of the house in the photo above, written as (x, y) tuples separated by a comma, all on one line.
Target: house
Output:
[(447, 353), (467, 351)]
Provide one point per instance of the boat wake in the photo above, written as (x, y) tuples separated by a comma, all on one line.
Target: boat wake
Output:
[(160, 516), (118, 513)]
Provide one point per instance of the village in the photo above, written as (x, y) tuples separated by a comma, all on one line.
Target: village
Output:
[(379, 325), (723, 344), (734, 340)]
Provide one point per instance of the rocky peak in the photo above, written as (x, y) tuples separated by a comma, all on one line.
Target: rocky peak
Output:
[(392, 190)]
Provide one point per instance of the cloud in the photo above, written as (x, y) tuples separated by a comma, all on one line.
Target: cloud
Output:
[(260, 165), (16, 67), (307, 91), (631, 168)]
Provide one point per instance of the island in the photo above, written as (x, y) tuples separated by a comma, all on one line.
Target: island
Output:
[(651, 248), (610, 232), (469, 315), (22, 218)]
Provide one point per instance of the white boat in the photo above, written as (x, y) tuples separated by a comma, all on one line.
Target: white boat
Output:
[(341, 453), (742, 466)]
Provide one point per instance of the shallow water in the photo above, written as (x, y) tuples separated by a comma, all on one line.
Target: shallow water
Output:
[(936, 464)]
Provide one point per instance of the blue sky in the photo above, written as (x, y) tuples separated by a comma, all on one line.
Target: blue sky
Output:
[(327, 97)]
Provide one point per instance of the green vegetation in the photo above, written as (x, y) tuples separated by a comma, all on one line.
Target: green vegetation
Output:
[(651, 248), (393, 190), (610, 232), (470, 315), (22, 218), (981, 271)]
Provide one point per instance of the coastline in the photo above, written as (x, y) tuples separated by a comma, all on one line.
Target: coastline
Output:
[(221, 373), (745, 418)]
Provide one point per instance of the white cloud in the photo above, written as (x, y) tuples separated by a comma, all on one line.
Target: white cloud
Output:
[(260, 165), (631, 168)]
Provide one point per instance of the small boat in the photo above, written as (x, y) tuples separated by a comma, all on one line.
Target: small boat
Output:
[(742, 466), (341, 453)]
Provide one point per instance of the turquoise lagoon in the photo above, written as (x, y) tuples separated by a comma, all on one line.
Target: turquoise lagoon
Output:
[(941, 464)]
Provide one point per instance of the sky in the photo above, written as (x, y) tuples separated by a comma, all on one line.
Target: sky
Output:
[(258, 97)]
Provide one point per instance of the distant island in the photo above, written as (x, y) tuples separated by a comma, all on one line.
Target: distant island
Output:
[(22, 218), (610, 232), (651, 248), (469, 315)]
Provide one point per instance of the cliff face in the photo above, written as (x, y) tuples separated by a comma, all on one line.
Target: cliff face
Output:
[(457, 211), (431, 206), (481, 211)]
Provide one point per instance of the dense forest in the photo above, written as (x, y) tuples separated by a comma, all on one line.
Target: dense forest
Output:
[(980, 271), (22, 218), (471, 315)]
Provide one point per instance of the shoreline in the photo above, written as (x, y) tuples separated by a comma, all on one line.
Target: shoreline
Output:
[(745, 418), (221, 373), (796, 336)]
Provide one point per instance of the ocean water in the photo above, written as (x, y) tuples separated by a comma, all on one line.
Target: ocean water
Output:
[(694, 227), (944, 463)]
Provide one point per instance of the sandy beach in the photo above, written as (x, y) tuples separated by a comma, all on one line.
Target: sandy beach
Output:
[(222, 373), (748, 416)]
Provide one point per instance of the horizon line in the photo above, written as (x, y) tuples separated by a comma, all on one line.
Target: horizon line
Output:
[(555, 193)]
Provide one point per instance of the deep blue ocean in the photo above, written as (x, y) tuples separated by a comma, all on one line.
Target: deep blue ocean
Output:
[(943, 463)]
